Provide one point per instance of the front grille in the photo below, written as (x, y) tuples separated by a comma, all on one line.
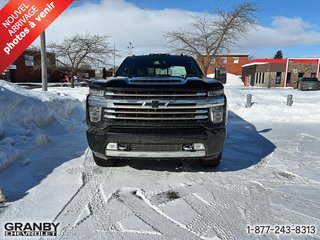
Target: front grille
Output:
[(156, 106), (155, 147), (156, 114)]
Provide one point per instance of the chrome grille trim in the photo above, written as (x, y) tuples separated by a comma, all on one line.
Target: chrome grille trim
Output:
[(198, 117), (156, 109), (120, 103), (124, 111)]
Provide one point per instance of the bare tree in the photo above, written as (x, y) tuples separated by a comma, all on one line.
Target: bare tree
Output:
[(80, 50), (212, 35)]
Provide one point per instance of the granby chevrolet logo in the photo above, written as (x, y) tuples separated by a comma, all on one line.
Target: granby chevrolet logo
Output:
[(21, 22), (19, 229)]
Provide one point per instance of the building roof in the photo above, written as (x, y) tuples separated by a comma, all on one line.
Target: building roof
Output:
[(254, 63), (268, 60), (281, 61)]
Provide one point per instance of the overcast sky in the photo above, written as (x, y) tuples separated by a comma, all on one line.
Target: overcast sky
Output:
[(143, 22)]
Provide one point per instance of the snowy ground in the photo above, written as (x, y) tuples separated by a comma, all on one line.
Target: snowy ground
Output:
[(270, 173)]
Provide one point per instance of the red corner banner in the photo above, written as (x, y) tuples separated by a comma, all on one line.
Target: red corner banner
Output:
[(21, 22)]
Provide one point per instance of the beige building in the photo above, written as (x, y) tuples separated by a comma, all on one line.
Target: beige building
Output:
[(279, 72)]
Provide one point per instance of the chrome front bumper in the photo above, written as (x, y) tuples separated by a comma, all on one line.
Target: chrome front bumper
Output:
[(178, 154)]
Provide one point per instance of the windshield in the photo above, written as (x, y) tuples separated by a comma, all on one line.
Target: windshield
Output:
[(159, 66)]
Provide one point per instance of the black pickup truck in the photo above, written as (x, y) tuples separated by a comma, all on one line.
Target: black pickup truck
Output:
[(157, 106)]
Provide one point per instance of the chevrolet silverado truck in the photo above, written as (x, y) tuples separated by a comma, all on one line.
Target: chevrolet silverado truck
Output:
[(156, 106)]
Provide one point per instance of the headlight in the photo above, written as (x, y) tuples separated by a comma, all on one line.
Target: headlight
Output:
[(108, 93), (216, 114), (94, 114), (96, 92), (215, 93)]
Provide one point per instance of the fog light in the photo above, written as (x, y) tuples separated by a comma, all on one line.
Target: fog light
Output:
[(187, 147), (95, 113), (216, 114), (123, 147), (198, 146), (112, 146)]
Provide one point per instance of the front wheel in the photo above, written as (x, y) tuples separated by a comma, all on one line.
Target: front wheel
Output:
[(212, 162), (101, 162)]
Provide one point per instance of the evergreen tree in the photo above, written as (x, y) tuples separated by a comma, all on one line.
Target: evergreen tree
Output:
[(278, 55)]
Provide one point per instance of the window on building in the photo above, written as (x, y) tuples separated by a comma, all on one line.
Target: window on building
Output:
[(262, 77), (300, 76), (278, 78), (224, 60), (28, 60), (259, 78), (213, 61), (236, 60), (313, 75)]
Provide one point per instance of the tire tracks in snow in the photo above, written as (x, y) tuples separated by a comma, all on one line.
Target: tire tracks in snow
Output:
[(87, 197), (224, 211), (156, 218), (223, 207)]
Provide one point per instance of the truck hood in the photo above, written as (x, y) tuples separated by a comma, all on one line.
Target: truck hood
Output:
[(145, 82)]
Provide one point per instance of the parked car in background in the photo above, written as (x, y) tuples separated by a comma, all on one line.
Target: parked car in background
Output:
[(309, 83), (77, 83)]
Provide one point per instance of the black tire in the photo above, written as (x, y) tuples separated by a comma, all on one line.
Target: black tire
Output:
[(213, 162), (101, 162)]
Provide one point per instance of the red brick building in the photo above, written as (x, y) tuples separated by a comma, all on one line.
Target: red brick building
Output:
[(232, 62), (26, 68)]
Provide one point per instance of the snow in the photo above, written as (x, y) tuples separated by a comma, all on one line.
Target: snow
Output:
[(27, 116), (269, 173), (254, 63), (232, 80), (2, 197)]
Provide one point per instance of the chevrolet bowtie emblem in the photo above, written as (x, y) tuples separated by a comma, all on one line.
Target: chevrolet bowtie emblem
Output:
[(155, 104)]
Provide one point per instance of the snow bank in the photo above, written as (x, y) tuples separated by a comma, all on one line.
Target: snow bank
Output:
[(28, 117), (2, 197), (269, 105), (232, 80)]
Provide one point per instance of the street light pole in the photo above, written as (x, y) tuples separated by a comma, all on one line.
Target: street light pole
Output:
[(114, 58), (44, 68)]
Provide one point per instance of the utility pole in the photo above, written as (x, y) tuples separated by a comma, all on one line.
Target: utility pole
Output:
[(130, 47), (114, 59), (44, 68)]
